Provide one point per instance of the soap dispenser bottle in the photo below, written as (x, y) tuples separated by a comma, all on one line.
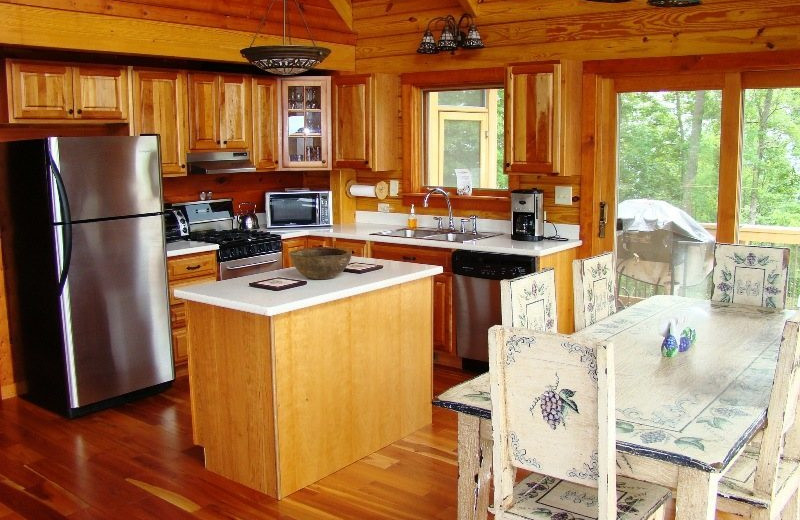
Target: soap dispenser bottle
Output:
[(412, 219)]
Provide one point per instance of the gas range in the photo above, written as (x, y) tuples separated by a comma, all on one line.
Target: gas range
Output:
[(235, 243), (241, 252)]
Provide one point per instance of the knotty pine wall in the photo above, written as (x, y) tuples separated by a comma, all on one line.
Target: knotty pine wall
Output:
[(523, 31)]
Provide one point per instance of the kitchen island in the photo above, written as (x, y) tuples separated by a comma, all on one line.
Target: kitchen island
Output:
[(289, 386)]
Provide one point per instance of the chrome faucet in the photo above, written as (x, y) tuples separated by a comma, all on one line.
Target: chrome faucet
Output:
[(450, 225)]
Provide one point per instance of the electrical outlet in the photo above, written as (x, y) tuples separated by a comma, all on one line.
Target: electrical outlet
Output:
[(564, 195), (383, 207), (394, 187)]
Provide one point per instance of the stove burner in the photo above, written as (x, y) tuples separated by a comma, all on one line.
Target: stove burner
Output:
[(235, 243)]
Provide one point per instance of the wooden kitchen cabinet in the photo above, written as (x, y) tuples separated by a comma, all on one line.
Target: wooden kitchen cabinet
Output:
[(365, 118), (265, 123), (57, 92), (443, 338), (542, 118), (159, 107), (305, 123), (181, 271), (356, 247), (220, 114), (294, 244)]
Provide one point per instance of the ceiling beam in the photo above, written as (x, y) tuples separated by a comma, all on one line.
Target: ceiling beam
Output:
[(54, 28), (345, 10), (470, 6)]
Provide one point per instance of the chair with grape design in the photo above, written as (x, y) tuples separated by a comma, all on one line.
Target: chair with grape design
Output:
[(751, 275), (594, 289), (553, 416), (529, 301), (763, 482)]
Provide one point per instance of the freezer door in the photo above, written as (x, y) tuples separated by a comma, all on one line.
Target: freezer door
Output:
[(109, 176), (115, 309)]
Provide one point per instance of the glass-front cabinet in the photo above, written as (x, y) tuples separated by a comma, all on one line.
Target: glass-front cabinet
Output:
[(305, 123)]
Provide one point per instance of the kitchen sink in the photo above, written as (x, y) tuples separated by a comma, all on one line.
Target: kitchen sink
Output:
[(460, 237), (409, 233), (433, 234)]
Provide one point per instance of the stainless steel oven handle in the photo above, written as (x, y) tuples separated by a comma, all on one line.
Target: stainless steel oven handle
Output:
[(251, 265)]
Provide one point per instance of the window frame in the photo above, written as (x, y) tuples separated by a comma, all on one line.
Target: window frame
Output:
[(413, 87)]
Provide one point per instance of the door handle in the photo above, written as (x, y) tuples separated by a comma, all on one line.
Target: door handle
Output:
[(254, 264), (603, 219)]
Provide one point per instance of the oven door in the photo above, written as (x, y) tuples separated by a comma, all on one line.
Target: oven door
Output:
[(250, 265), (293, 209)]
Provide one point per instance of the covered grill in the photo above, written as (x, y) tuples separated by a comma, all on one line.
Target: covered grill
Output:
[(660, 244)]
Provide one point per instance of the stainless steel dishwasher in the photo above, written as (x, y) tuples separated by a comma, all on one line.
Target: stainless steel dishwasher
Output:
[(476, 296)]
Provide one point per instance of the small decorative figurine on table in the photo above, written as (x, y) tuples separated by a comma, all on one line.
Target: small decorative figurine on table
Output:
[(669, 347), (688, 337)]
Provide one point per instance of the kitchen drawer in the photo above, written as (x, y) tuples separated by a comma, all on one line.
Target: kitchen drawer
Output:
[(196, 265), (419, 255), (356, 247), (183, 283)]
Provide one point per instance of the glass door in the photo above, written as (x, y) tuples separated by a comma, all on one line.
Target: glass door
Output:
[(769, 204), (667, 191), (306, 122)]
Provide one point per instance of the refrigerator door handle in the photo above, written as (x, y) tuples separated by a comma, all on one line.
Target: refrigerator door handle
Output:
[(66, 227)]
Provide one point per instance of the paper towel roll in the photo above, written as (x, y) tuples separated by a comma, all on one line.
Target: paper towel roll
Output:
[(380, 190)]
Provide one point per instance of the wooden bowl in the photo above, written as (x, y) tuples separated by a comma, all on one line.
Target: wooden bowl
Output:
[(320, 263)]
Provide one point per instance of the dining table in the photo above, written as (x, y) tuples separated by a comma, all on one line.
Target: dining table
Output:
[(680, 421)]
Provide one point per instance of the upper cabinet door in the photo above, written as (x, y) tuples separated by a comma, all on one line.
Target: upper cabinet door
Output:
[(265, 123), (540, 138), (366, 121), (235, 113), (159, 107), (40, 90), (351, 120), (100, 92), (204, 112), (219, 111), (305, 121)]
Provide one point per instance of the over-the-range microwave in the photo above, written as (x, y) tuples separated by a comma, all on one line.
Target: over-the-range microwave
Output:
[(288, 209)]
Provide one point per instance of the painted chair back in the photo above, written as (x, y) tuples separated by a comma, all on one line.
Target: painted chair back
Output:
[(552, 412), (530, 301), (781, 412), (751, 275), (594, 286)]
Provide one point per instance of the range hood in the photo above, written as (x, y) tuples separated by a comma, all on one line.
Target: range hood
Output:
[(219, 162)]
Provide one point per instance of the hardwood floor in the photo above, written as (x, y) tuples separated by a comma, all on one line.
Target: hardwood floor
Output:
[(137, 461)]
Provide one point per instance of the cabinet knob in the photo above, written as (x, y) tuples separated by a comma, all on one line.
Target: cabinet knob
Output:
[(192, 267), (508, 165), (70, 111), (366, 162), (323, 161), (218, 142), (183, 166), (224, 142), (80, 111)]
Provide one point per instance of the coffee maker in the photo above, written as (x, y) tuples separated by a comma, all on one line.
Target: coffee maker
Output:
[(527, 215)]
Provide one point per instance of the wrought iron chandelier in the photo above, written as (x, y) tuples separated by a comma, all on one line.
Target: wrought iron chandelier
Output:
[(285, 59)]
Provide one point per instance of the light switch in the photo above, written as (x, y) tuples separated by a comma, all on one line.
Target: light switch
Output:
[(394, 187), (564, 195)]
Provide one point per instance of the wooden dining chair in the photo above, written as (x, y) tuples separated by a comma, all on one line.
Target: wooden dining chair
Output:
[(529, 301), (764, 479), (751, 275), (594, 286), (553, 416)]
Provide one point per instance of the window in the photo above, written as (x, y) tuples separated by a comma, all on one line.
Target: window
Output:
[(769, 208), (463, 130)]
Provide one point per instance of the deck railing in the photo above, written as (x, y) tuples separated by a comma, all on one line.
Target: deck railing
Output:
[(631, 290)]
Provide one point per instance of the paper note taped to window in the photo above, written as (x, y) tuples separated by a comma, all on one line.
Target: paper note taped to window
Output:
[(463, 181)]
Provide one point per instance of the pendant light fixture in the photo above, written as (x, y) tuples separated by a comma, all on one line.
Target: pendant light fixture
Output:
[(453, 36), (285, 59)]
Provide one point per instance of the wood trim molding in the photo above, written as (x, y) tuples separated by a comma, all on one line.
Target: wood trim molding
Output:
[(55, 28), (730, 162)]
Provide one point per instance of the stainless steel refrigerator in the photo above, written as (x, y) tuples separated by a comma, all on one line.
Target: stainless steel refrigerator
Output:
[(83, 246)]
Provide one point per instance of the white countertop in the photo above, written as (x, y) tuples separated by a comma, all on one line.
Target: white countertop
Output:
[(497, 244), (236, 294), (188, 247)]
